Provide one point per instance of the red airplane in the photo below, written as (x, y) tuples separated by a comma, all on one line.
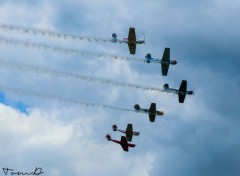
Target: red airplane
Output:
[(123, 142)]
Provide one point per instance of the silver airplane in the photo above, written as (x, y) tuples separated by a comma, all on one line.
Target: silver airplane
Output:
[(129, 131), (152, 112), (182, 91), (131, 40), (165, 61)]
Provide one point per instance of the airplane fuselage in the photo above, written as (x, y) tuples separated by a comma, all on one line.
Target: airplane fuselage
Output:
[(133, 133), (123, 142), (142, 110), (125, 40), (160, 61), (119, 142), (176, 91), (148, 112)]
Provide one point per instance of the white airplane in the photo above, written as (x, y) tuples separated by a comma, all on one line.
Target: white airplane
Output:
[(152, 112), (182, 91), (131, 40), (165, 61), (129, 131)]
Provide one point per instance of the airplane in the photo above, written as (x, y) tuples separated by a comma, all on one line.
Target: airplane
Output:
[(182, 91), (131, 40), (129, 131), (152, 112), (165, 61), (124, 144)]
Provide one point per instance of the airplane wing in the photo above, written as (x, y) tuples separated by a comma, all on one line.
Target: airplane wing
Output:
[(152, 112), (132, 34), (165, 69), (152, 117), (182, 91), (166, 54), (181, 98), (132, 40), (124, 143), (132, 48), (166, 57), (183, 86), (129, 132)]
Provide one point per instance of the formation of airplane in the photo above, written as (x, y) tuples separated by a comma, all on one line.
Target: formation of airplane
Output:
[(152, 112), (165, 61), (123, 142), (131, 40), (129, 131), (182, 91)]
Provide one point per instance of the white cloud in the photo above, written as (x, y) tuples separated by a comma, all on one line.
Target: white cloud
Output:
[(24, 14), (43, 134)]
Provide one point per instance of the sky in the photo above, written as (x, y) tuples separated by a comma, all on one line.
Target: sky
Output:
[(44, 124)]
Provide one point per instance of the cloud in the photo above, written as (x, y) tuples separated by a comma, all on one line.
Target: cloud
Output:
[(199, 137), (44, 141)]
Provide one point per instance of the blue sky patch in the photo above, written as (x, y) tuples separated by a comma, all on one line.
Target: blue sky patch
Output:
[(16, 105)]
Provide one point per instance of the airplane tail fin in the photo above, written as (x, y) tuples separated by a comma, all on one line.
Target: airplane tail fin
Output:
[(148, 58), (114, 127), (165, 86), (108, 137), (137, 107), (114, 37)]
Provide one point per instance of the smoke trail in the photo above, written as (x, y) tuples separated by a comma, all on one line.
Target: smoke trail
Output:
[(61, 99), (48, 33), (18, 42), (56, 73)]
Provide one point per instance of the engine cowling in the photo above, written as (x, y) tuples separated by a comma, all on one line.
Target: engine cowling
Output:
[(174, 62), (159, 113), (136, 133), (190, 92)]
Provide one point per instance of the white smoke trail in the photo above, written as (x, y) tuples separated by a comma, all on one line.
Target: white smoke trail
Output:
[(56, 73), (61, 99), (48, 33), (18, 42)]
